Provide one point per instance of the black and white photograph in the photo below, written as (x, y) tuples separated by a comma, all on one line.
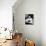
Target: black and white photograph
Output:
[(29, 19)]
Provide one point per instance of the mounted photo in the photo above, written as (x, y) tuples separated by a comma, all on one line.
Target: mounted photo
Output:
[(29, 19)]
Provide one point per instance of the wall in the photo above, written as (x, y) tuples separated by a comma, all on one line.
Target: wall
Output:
[(6, 13), (43, 22), (29, 31)]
